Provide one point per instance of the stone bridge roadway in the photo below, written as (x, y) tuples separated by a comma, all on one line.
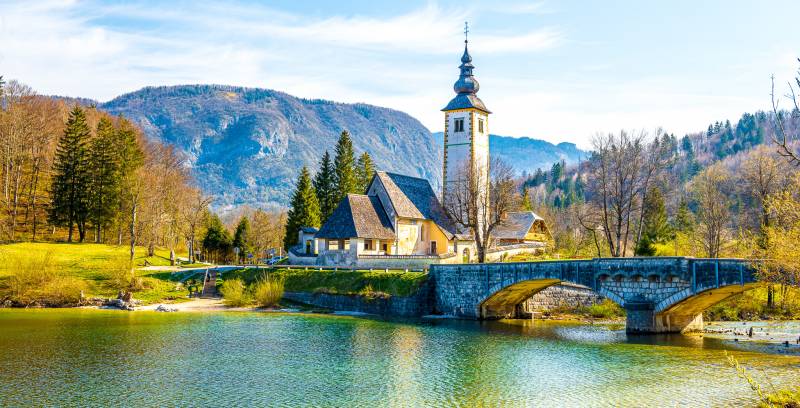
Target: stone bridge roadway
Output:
[(659, 294)]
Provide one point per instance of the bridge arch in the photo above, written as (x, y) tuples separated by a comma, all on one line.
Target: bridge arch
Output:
[(660, 294), (503, 301)]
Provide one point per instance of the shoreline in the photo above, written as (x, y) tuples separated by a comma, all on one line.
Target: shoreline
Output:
[(764, 331)]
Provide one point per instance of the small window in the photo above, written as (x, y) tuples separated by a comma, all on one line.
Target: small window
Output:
[(384, 247), (459, 125), (368, 245), (480, 125)]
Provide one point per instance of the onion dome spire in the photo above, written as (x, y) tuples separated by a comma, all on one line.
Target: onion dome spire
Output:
[(466, 87), (466, 84)]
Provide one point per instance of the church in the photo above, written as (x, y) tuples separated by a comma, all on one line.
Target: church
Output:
[(399, 222)]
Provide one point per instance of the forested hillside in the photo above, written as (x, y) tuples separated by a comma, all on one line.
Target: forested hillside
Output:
[(76, 173), (246, 146), (526, 155)]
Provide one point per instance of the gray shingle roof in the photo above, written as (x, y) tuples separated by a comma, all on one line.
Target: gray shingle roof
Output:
[(413, 197), (464, 101), (516, 225), (357, 216)]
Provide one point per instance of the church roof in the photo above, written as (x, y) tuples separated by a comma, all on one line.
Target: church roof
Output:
[(466, 101), (358, 216), (516, 225), (413, 197)]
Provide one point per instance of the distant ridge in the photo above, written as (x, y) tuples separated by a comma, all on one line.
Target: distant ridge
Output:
[(247, 145), (526, 154)]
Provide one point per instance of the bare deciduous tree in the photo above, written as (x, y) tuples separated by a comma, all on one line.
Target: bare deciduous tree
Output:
[(479, 202), (194, 208), (781, 136), (616, 181), (713, 207)]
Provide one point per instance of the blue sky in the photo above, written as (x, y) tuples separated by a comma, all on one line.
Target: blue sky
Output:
[(559, 71)]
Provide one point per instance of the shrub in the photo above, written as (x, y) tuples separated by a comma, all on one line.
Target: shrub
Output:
[(268, 290), (234, 293), (605, 310), (783, 398)]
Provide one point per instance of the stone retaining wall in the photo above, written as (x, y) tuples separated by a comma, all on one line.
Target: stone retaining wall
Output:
[(561, 295), (418, 304)]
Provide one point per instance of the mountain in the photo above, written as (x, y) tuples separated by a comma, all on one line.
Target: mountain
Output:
[(526, 154), (247, 146)]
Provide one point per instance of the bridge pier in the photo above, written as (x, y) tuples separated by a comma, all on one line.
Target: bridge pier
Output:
[(660, 295), (643, 319)]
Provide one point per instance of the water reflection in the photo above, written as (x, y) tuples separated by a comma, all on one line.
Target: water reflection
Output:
[(250, 359)]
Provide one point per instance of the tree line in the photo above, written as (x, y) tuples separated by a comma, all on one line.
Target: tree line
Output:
[(72, 172), (314, 199)]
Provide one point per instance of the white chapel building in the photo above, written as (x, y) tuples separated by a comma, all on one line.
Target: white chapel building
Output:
[(400, 222)]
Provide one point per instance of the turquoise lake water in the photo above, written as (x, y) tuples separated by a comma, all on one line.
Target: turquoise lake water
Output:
[(111, 358)]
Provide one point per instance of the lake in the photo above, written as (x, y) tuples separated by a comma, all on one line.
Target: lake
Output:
[(77, 357)]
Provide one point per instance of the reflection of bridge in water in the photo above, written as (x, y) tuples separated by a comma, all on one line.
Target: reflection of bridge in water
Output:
[(659, 294)]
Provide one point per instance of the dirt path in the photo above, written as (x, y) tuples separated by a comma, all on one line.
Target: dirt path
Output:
[(194, 305)]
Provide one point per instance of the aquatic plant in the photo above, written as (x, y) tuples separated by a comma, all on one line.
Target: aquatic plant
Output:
[(782, 398)]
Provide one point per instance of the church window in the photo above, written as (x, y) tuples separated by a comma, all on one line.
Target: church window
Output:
[(480, 125), (459, 125)]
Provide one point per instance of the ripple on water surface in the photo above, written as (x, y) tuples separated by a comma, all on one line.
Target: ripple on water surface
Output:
[(94, 358)]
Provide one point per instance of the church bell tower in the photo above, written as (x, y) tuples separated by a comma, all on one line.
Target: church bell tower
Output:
[(466, 130)]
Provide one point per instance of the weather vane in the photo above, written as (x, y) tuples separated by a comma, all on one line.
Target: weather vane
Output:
[(466, 30)]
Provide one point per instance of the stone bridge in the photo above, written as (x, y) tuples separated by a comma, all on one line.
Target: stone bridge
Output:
[(659, 294)]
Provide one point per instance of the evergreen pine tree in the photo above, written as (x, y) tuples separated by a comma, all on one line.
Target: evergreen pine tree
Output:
[(304, 211), (70, 183), (526, 200), (683, 218), (364, 171), (555, 173), (241, 237), (325, 188), (344, 164), (217, 241), (104, 177), (656, 229), (129, 153)]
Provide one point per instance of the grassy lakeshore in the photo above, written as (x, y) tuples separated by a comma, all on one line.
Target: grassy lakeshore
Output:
[(55, 274), (365, 282)]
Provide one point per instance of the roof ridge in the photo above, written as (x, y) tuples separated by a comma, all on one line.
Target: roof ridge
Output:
[(402, 175)]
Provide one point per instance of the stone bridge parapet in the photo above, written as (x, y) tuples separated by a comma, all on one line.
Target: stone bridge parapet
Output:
[(660, 294)]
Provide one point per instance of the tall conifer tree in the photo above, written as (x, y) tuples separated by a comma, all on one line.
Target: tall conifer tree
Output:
[(241, 238), (526, 200), (325, 188), (656, 226), (304, 211), (104, 177), (69, 190), (364, 170), (344, 165)]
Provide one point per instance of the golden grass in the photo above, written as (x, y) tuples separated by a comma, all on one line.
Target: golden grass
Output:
[(234, 293), (268, 290), (55, 274)]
